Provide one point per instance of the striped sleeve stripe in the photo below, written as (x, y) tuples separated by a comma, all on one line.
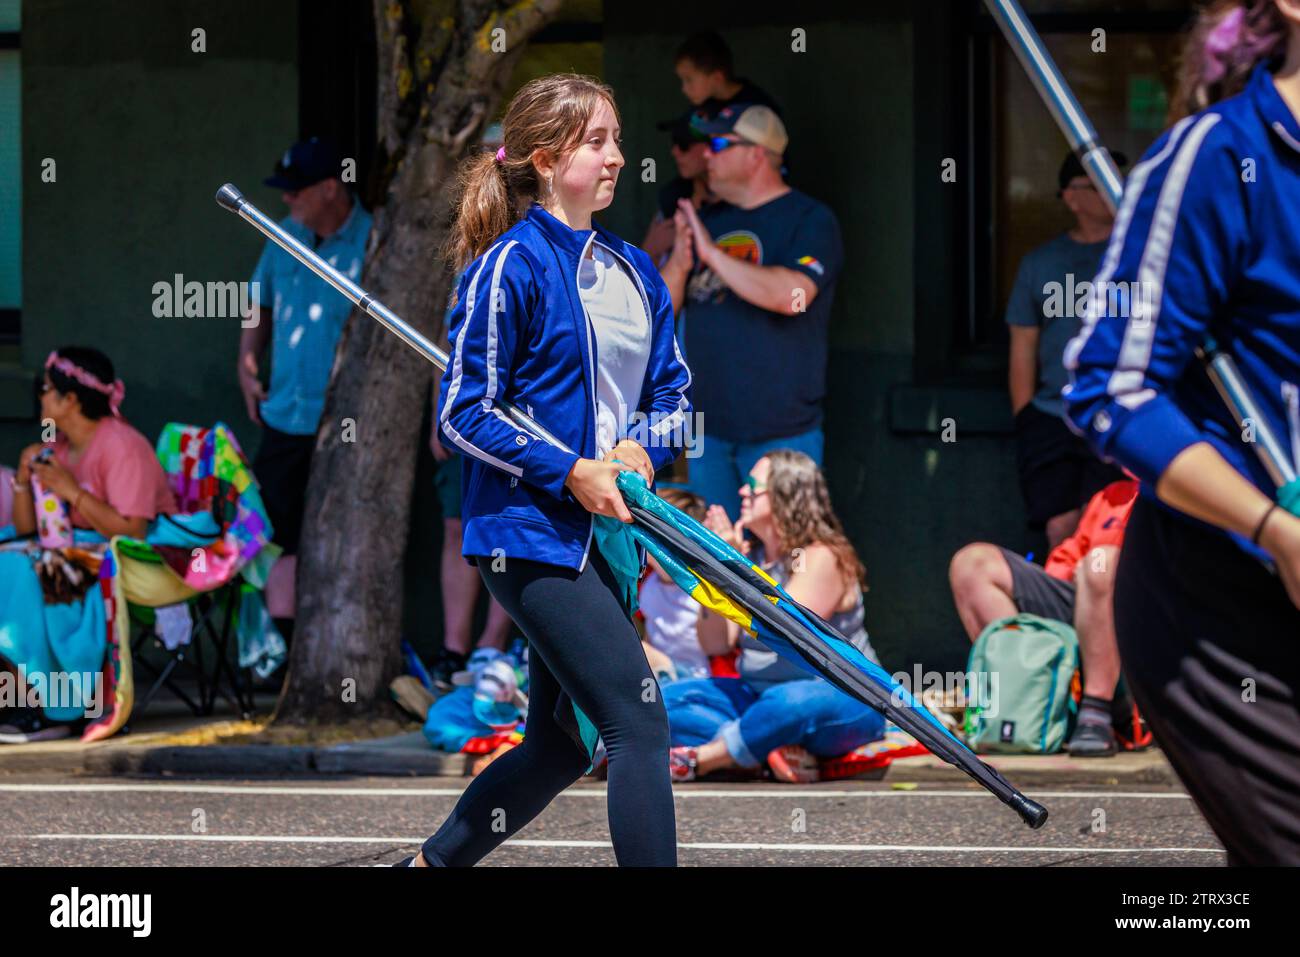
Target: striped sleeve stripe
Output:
[(457, 369), (1139, 334), (494, 306), (1133, 187), (679, 414)]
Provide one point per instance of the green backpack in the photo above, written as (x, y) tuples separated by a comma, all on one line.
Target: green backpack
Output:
[(1026, 664)]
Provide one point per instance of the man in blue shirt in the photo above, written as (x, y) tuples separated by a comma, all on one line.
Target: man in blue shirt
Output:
[(757, 283), (1059, 474), (299, 316)]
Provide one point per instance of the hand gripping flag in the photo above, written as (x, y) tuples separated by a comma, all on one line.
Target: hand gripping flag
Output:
[(724, 581)]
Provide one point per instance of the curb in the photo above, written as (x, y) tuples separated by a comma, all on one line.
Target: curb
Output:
[(1143, 769), (240, 761), (271, 761)]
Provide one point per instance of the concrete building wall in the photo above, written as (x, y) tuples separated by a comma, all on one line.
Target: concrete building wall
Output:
[(142, 131)]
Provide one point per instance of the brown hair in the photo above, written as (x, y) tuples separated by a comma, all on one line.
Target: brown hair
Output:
[(550, 114), (684, 501), (801, 506), (1227, 41)]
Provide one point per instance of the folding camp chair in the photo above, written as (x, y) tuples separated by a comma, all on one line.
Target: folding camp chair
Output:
[(215, 570), (205, 658)]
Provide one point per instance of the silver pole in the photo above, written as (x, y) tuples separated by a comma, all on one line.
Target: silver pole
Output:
[(232, 199), (1101, 169)]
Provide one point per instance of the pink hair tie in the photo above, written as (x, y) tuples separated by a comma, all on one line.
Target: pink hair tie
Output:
[(501, 155), (115, 392)]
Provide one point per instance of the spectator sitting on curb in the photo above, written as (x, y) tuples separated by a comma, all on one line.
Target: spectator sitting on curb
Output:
[(1076, 586), (775, 709)]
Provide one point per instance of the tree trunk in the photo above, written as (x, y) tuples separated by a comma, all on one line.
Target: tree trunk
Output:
[(443, 66)]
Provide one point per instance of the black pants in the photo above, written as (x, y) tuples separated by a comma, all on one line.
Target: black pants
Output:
[(1210, 646), (1058, 471), (582, 641), (282, 465)]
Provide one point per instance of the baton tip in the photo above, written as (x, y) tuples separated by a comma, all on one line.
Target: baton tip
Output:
[(1034, 814), (230, 197)]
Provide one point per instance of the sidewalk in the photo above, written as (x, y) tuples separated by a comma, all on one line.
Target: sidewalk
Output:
[(149, 749)]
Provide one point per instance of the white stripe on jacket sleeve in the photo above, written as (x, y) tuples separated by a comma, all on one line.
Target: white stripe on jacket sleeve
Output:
[(1139, 334), (457, 370)]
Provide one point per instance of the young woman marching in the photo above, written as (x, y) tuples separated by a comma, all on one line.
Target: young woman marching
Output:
[(562, 319), (1205, 242)]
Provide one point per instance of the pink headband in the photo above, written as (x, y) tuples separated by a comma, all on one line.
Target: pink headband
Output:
[(115, 392), (501, 155)]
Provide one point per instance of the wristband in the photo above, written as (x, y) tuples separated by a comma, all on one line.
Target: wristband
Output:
[(1259, 529)]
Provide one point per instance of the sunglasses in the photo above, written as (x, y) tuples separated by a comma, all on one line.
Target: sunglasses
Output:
[(754, 485), (719, 143)]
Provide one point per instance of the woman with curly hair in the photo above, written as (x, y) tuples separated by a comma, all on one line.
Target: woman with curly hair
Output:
[(774, 711)]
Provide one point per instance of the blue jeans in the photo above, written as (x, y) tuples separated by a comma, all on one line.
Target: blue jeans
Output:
[(808, 712), (721, 468)]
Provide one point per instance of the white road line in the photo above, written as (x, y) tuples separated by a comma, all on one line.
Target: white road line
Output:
[(701, 845), (749, 791)]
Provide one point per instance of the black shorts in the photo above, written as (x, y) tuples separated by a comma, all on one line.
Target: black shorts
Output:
[(282, 465), (1058, 471), (1037, 593)]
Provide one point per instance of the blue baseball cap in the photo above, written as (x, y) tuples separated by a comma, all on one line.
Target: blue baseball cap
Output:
[(306, 164)]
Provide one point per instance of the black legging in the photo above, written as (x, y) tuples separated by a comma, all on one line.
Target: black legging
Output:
[(580, 639)]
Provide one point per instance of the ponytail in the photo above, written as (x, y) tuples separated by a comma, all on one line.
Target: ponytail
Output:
[(1229, 39), (483, 210), (493, 192)]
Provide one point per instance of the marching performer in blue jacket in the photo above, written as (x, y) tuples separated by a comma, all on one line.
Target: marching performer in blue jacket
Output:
[(1207, 242), (573, 326)]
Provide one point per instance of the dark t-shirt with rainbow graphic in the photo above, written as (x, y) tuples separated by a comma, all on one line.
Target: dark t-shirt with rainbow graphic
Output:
[(760, 375)]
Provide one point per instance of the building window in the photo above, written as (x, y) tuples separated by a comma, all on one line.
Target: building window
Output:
[(11, 197), (1017, 148)]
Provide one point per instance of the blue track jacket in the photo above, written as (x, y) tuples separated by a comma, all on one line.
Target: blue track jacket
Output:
[(519, 333), (1207, 241)]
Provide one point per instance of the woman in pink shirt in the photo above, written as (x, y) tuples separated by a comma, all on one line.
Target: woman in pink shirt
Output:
[(102, 466), (108, 473)]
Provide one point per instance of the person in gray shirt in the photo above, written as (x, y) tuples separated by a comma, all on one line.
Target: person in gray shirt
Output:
[(1058, 471)]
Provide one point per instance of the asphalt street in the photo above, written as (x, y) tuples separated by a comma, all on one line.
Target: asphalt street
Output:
[(56, 820)]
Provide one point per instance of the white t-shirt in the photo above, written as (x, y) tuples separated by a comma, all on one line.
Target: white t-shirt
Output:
[(622, 330), (671, 618)]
